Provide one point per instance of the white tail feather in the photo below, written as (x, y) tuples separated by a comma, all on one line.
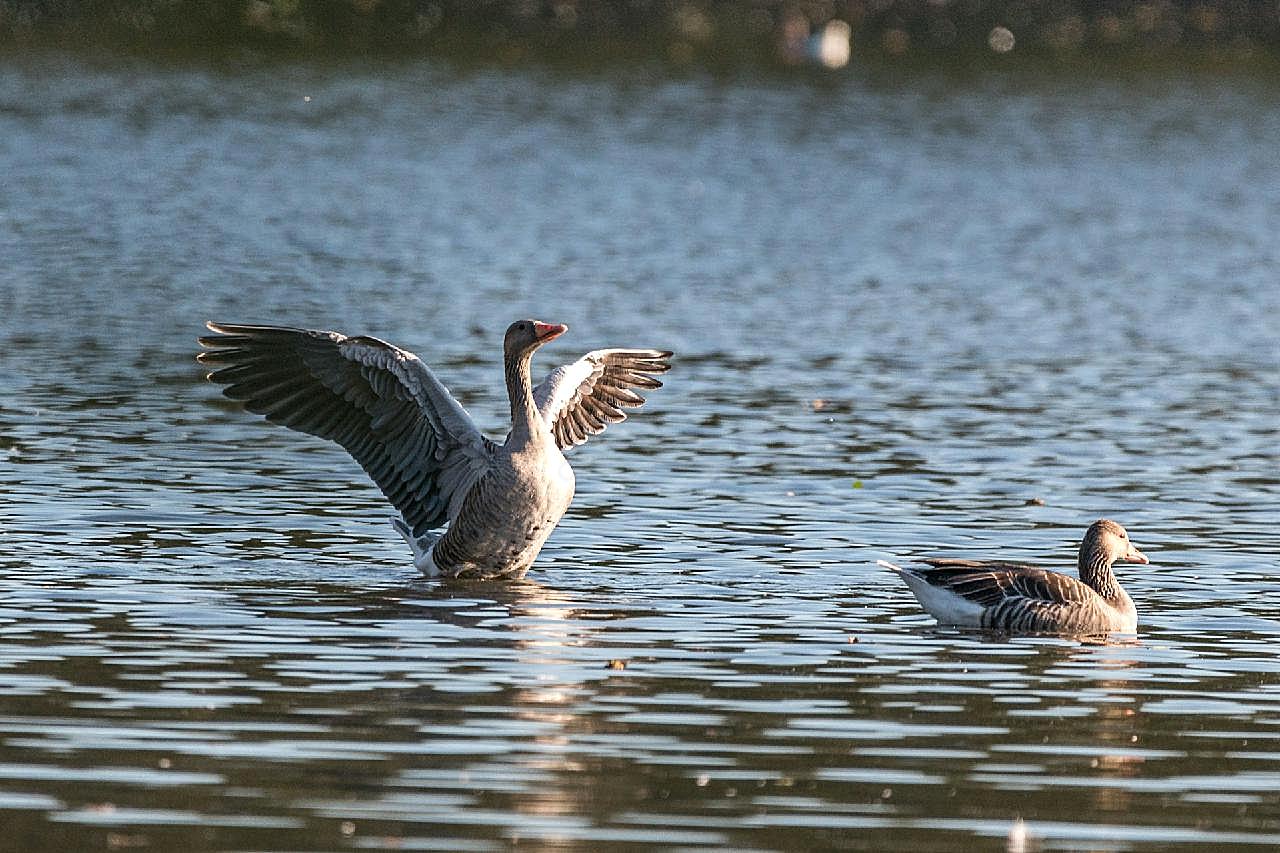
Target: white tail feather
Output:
[(421, 546)]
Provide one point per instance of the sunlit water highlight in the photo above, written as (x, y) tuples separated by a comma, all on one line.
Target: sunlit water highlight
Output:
[(903, 311)]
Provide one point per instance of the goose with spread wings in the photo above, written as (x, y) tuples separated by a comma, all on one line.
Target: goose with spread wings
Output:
[(1018, 598), (382, 404)]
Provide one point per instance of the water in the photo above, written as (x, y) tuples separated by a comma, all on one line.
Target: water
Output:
[(905, 310)]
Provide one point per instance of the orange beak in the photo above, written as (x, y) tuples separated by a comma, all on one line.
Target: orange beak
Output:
[(549, 331), (1134, 556)]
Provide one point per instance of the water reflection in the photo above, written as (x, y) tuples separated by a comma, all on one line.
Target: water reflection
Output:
[(201, 645)]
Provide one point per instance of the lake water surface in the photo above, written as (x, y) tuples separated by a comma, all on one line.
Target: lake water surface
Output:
[(914, 315)]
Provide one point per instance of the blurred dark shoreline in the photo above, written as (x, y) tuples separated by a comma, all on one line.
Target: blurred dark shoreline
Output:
[(1234, 34)]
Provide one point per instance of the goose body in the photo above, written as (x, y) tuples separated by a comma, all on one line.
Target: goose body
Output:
[(1019, 598), (382, 404)]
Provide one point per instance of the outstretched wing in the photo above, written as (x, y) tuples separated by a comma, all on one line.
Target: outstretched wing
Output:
[(579, 400), (381, 403)]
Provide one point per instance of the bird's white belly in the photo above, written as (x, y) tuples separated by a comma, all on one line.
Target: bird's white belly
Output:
[(536, 513), (511, 539), (944, 605)]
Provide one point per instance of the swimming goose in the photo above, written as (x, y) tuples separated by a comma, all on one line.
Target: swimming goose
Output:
[(1018, 598), (389, 411)]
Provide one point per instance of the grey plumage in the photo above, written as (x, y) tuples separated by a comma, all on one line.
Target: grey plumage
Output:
[(380, 403), (1020, 598), (399, 422), (580, 400)]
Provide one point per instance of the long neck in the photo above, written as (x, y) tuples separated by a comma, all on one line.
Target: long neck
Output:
[(1095, 571), (524, 416)]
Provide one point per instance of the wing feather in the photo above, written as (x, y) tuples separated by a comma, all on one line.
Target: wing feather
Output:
[(581, 399), (1004, 584), (379, 402)]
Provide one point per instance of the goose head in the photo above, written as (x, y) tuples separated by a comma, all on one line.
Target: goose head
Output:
[(1107, 542), (525, 336)]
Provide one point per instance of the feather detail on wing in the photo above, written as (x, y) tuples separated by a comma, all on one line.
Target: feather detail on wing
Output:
[(992, 583), (579, 400), (379, 402)]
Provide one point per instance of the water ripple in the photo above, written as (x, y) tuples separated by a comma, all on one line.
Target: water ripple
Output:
[(913, 318)]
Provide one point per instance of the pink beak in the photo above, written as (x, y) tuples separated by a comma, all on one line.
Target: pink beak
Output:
[(549, 331)]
